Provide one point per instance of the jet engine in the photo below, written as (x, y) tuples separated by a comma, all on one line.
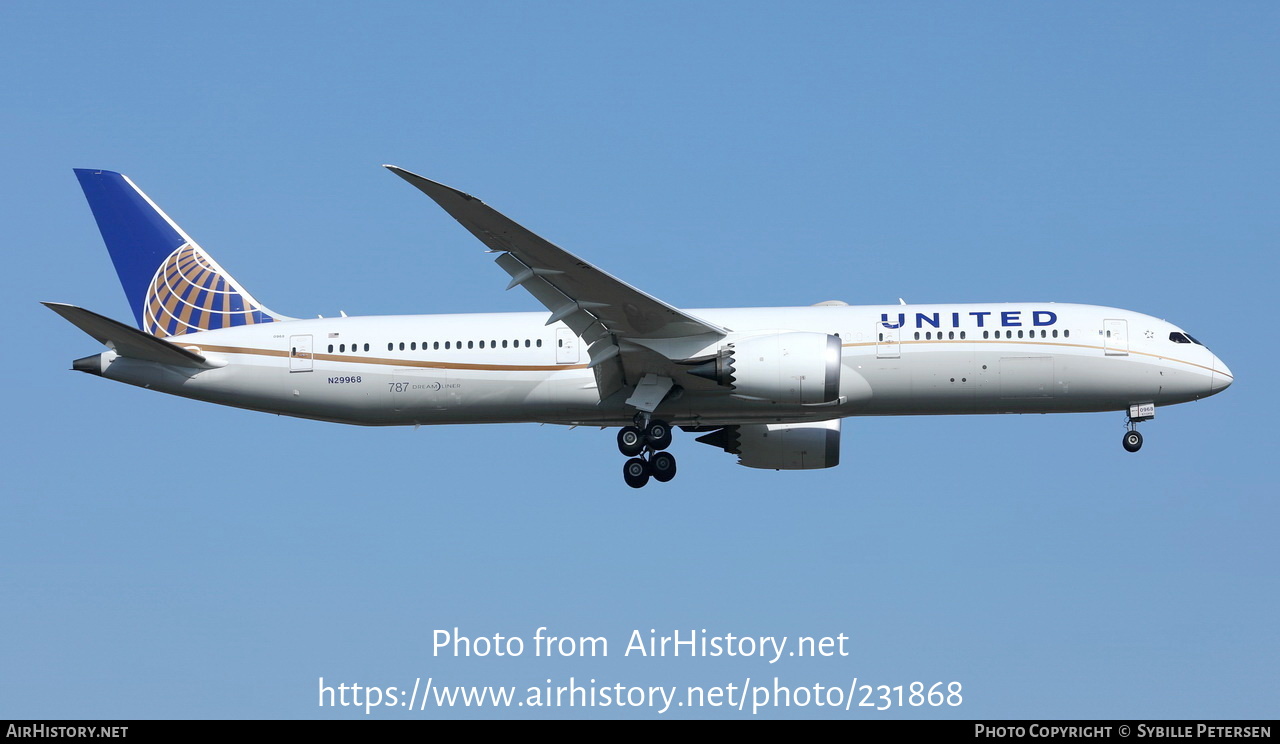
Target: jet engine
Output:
[(807, 446), (790, 368)]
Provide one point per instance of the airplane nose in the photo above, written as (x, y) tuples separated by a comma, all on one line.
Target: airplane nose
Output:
[(1221, 378)]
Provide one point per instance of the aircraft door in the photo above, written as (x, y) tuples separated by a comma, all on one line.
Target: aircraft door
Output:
[(566, 346), (888, 341), (300, 357), (1115, 337)]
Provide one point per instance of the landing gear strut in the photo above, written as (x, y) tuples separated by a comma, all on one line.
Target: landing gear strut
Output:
[(643, 443)]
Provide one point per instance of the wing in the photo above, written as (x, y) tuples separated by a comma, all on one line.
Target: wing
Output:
[(611, 316)]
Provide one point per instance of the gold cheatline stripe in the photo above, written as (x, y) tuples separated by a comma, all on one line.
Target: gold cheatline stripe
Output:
[(1041, 343), (553, 367), (399, 362)]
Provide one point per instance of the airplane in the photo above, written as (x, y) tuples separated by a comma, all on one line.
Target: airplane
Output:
[(770, 385)]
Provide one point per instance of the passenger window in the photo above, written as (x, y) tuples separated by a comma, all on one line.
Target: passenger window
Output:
[(482, 344), (342, 347), (526, 343), (1066, 334), (917, 335), (504, 343), (539, 343), (366, 347), (471, 344)]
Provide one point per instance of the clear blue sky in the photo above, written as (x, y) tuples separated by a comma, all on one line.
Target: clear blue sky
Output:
[(168, 558)]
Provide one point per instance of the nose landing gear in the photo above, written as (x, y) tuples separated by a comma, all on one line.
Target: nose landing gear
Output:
[(1138, 413), (644, 444)]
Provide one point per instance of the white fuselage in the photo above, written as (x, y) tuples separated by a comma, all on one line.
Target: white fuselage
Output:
[(511, 367)]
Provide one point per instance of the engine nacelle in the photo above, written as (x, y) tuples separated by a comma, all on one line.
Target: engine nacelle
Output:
[(808, 446), (793, 367)]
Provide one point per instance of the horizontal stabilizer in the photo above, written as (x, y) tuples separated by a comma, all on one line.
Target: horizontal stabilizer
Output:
[(128, 341)]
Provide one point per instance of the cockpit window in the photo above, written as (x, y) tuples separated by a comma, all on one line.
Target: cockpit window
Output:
[(1183, 338)]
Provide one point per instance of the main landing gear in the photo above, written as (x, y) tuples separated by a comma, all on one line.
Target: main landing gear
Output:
[(644, 443)]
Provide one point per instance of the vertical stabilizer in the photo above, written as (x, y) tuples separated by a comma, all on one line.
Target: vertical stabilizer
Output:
[(172, 285)]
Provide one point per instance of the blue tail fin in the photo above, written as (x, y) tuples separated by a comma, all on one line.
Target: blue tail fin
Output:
[(173, 286)]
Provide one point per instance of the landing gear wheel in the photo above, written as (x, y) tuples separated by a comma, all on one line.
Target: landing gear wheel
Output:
[(658, 435), (636, 472), (1132, 441), (663, 466), (631, 441)]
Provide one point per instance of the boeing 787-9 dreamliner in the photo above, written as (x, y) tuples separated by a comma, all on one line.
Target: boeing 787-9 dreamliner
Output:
[(768, 384)]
